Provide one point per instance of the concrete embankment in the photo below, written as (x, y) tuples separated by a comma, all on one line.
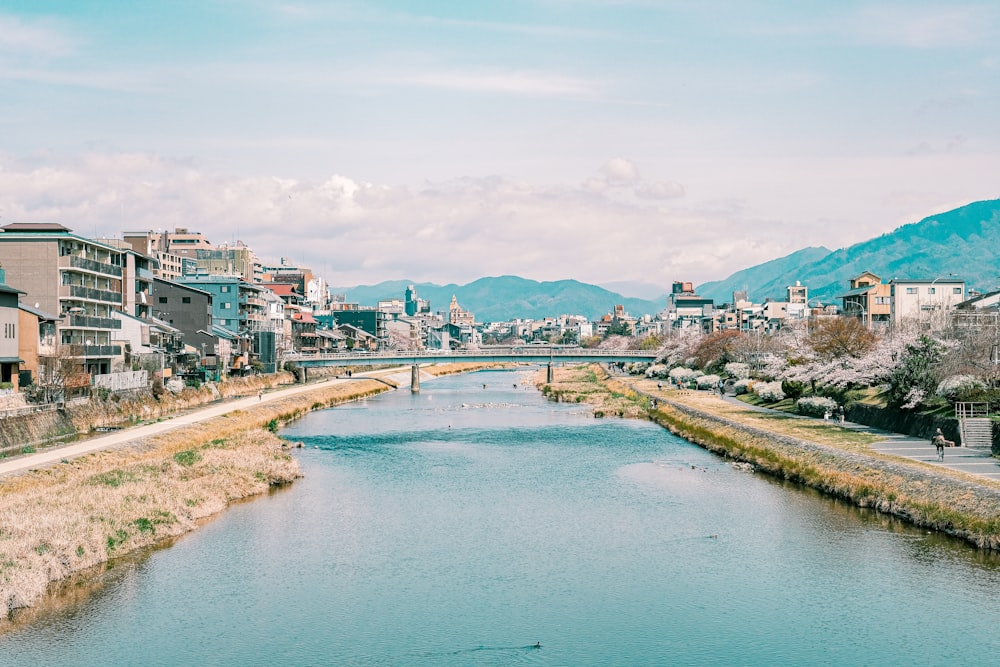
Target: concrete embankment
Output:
[(945, 500), (81, 512)]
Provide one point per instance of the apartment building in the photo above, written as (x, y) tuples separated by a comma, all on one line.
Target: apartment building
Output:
[(75, 277), (925, 301)]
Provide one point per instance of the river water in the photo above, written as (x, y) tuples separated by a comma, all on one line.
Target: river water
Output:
[(465, 524)]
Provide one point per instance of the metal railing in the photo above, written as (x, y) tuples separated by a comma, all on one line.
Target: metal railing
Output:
[(972, 410), (80, 292), (94, 266), (77, 350), (93, 322)]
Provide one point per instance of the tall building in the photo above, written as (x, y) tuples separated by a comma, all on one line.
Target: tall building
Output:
[(75, 277), (175, 252), (458, 316), (229, 260)]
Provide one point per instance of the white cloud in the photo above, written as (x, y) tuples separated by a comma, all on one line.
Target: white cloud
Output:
[(926, 27), (356, 232), (619, 171), (22, 39)]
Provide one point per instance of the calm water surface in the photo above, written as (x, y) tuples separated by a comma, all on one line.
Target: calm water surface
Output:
[(462, 525)]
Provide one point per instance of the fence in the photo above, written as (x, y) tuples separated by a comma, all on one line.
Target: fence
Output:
[(122, 381)]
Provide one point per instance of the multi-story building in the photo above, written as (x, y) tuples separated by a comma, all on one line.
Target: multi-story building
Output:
[(797, 293), (230, 260), (925, 301), (868, 299), (458, 316), (10, 362), (175, 252), (685, 308), (73, 276), (237, 306)]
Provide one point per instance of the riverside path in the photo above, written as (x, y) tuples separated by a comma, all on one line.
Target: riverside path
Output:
[(193, 416), (971, 460)]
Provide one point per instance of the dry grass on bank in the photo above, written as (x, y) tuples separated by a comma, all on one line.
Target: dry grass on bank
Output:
[(822, 455), (592, 385), (79, 514), (816, 430)]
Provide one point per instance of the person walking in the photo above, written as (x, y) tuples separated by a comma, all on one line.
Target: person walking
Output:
[(938, 442), (260, 394), (840, 413)]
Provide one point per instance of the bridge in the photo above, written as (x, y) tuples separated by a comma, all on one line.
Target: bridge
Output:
[(548, 354)]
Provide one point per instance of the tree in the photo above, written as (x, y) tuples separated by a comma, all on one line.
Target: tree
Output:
[(717, 348), (840, 337), (618, 328), (915, 378), (568, 337)]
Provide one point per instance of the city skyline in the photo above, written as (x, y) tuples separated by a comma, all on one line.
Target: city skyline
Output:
[(606, 141)]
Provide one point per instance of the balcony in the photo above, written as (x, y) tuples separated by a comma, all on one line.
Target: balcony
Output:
[(94, 350), (91, 322), (80, 292), (72, 261)]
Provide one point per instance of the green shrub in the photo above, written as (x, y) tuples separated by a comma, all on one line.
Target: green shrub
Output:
[(187, 458)]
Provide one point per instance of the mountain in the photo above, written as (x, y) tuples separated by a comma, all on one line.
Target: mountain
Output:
[(962, 242), (508, 297)]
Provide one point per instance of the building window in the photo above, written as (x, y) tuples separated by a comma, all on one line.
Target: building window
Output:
[(956, 290), (932, 290), (225, 288), (185, 299), (226, 305), (163, 299), (911, 290)]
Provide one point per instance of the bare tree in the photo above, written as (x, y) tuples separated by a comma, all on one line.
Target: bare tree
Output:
[(840, 337)]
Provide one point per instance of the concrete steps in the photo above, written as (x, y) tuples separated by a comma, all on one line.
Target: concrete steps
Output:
[(977, 432)]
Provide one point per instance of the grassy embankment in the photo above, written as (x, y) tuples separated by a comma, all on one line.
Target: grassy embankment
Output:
[(822, 455), (80, 515), (72, 517)]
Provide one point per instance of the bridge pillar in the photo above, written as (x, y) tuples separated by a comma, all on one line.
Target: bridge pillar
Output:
[(305, 375), (415, 379), (549, 375)]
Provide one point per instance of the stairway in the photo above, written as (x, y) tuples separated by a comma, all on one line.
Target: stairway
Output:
[(977, 432)]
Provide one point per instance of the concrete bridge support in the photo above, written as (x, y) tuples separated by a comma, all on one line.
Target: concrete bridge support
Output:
[(415, 379), (549, 374)]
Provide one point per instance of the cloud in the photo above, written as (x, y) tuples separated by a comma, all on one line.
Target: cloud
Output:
[(926, 27), (619, 171), (23, 39), (361, 232)]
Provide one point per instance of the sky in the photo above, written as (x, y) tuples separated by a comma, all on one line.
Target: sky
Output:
[(615, 142)]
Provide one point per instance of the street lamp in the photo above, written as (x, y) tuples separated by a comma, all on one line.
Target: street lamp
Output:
[(931, 292), (864, 312)]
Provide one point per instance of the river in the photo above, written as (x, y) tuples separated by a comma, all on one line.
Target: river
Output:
[(470, 522)]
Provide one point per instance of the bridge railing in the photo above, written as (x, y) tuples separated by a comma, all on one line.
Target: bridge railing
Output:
[(527, 352)]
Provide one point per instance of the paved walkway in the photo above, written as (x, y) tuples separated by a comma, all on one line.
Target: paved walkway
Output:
[(975, 461), (123, 437)]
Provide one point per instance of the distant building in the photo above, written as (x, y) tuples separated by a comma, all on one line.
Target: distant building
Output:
[(686, 309), (458, 316), (868, 299), (925, 301)]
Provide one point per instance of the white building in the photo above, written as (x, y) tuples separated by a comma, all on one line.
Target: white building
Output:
[(928, 301)]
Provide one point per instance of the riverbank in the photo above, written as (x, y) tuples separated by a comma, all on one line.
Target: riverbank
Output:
[(818, 454), (80, 514)]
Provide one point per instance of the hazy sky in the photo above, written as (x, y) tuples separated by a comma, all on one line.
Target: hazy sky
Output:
[(602, 140)]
